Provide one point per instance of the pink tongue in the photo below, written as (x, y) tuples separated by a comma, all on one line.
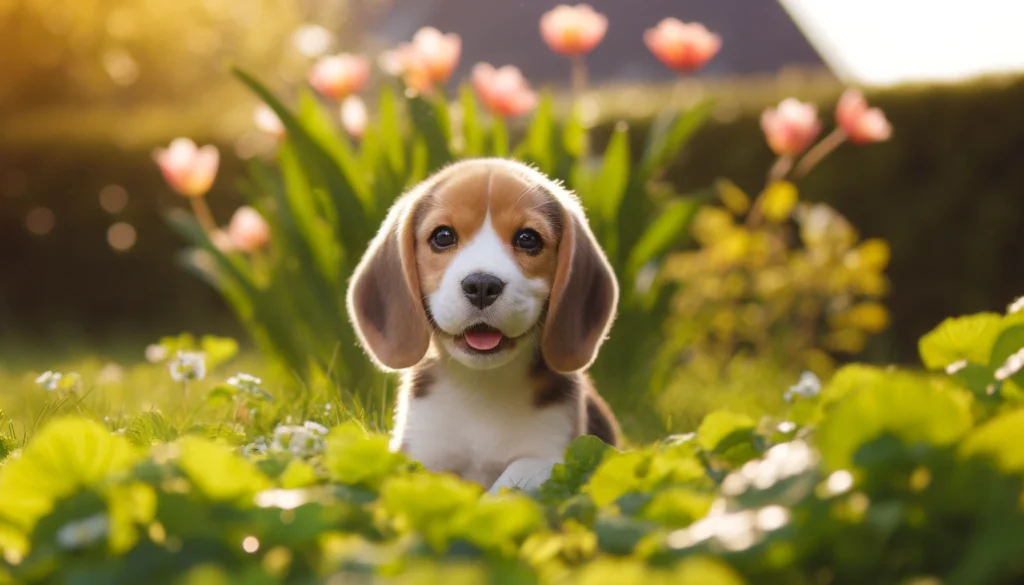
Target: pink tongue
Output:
[(483, 340)]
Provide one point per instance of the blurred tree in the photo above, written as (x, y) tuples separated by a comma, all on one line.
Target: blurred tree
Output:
[(125, 52)]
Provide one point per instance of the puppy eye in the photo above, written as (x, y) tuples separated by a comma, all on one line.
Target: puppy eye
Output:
[(528, 241), (442, 238)]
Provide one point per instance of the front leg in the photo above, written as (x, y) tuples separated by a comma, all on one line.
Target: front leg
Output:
[(527, 473)]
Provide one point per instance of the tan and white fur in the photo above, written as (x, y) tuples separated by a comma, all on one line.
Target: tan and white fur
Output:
[(547, 290)]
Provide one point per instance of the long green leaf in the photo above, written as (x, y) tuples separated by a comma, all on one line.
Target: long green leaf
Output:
[(499, 137), (669, 228), (472, 131), (669, 134), (353, 228), (615, 173), (430, 121), (540, 137), (390, 129)]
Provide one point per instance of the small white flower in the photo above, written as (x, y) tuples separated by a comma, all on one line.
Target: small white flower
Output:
[(250, 385), (156, 353), (188, 366), (256, 448), (808, 386), (1016, 306), (49, 381), (83, 533), (787, 426), (1011, 366), (315, 427), (301, 441)]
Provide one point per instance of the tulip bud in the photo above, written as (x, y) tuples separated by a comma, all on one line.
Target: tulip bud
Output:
[(248, 231), (573, 30), (860, 123), (189, 170), (505, 92), (791, 127), (682, 46), (339, 76), (354, 116)]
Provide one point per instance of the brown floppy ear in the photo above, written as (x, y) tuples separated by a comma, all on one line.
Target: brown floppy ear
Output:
[(384, 300), (584, 295)]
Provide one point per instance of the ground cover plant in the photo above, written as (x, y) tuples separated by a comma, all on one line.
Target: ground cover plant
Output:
[(878, 475)]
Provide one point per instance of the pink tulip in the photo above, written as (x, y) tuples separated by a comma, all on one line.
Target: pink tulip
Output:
[(267, 121), (189, 170), (682, 46), (791, 127), (222, 241), (504, 91), (439, 53), (427, 61), (248, 231), (861, 123), (354, 116), (339, 76), (573, 30)]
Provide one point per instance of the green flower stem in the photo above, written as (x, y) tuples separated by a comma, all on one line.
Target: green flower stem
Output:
[(203, 214), (819, 151), (579, 87)]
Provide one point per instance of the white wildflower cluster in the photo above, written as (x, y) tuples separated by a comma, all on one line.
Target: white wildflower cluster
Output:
[(781, 462), (1011, 366), (83, 533), (808, 386), (303, 441), (188, 366), (249, 385), (257, 447), (51, 381), (733, 531)]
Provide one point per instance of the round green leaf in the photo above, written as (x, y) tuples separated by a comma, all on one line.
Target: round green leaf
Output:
[(961, 338), (912, 409)]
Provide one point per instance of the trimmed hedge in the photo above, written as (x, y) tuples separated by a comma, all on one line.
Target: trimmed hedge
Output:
[(945, 192)]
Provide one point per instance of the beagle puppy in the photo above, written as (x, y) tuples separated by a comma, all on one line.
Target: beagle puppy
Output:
[(486, 287)]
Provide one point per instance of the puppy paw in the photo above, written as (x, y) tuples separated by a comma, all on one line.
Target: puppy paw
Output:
[(524, 474)]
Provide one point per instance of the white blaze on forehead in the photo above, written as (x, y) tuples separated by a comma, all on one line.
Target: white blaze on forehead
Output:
[(485, 252)]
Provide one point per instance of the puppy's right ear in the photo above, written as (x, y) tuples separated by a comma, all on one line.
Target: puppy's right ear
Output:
[(384, 301)]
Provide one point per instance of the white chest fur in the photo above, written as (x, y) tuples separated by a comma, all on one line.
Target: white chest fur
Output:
[(475, 423)]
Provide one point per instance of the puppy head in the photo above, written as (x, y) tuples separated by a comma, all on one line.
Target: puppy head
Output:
[(493, 258)]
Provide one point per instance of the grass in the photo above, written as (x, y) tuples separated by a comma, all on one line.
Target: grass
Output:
[(126, 391), (127, 394)]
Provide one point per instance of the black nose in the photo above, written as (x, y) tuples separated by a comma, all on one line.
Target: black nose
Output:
[(482, 289)]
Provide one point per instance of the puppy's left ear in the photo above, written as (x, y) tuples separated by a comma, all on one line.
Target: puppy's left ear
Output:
[(584, 295)]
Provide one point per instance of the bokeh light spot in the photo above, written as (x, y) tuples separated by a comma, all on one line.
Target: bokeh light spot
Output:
[(251, 544), (113, 198), (312, 40), (40, 221), (121, 236), (121, 67)]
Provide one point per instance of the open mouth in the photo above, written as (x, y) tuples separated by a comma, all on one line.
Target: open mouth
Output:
[(482, 339)]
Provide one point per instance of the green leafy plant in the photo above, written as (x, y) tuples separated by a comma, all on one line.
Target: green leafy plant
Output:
[(325, 197), (879, 475)]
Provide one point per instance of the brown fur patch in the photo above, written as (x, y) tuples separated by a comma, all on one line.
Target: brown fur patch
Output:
[(600, 420), (551, 388), (421, 379), (577, 391), (462, 202)]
